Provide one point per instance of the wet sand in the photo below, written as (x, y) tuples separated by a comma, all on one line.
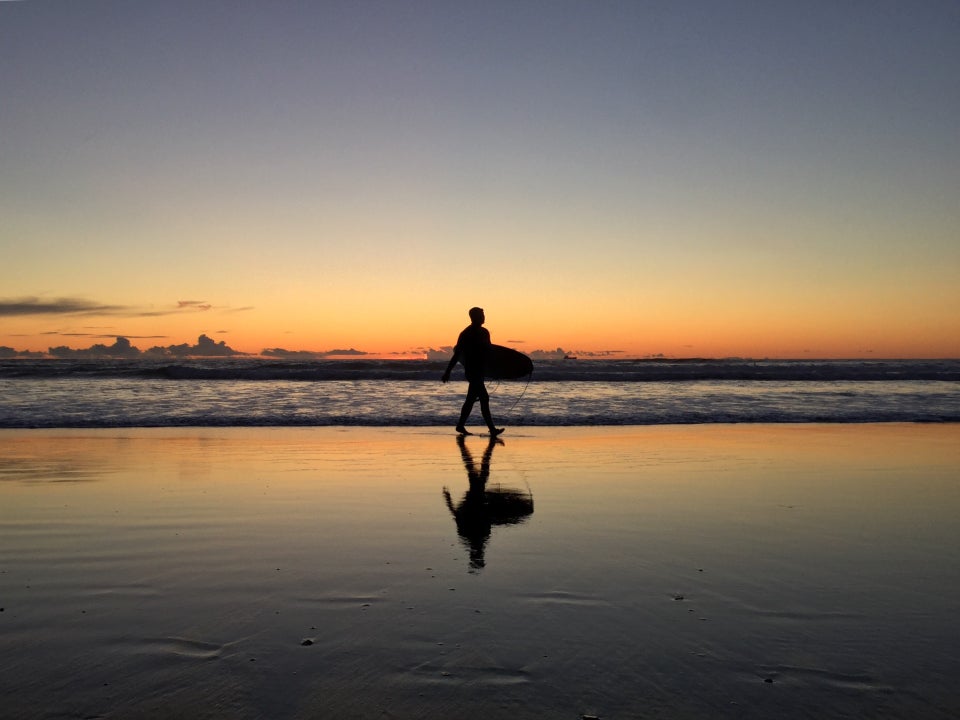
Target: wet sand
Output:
[(645, 572)]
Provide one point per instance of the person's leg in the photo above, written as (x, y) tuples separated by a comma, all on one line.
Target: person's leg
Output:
[(484, 398), (467, 408)]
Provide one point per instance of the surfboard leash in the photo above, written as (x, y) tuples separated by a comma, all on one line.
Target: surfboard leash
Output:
[(522, 392)]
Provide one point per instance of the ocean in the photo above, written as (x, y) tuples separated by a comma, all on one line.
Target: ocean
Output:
[(262, 392)]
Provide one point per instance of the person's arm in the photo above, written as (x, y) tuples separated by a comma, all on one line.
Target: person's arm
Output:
[(452, 364), (486, 340), (446, 496)]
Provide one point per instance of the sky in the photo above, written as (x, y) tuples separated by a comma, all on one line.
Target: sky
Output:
[(687, 178)]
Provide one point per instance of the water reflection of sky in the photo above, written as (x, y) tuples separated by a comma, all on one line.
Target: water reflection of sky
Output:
[(822, 558)]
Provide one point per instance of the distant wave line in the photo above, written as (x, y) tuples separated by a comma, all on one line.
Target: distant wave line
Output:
[(626, 371)]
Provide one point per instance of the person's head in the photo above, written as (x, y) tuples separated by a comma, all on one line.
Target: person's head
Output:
[(476, 316)]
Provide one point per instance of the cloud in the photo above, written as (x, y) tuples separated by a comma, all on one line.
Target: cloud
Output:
[(201, 305), (351, 351), (11, 307), (438, 354), (8, 353), (205, 347), (183, 306), (101, 335), (122, 348), (310, 354), (560, 354), (290, 354), (445, 352)]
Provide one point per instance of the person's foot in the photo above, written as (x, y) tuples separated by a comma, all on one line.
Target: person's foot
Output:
[(463, 431), (496, 431)]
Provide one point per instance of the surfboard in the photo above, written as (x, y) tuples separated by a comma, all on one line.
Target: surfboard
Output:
[(505, 363)]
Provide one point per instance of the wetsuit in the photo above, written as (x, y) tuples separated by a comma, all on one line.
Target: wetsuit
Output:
[(472, 347)]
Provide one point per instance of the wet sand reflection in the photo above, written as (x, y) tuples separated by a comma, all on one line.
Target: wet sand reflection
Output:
[(485, 505)]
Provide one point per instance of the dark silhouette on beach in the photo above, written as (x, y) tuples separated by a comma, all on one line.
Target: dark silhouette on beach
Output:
[(483, 507), (473, 346)]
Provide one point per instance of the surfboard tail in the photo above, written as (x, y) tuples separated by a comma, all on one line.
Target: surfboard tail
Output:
[(505, 363)]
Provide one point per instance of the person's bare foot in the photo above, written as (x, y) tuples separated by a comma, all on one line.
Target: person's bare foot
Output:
[(463, 431), (496, 431)]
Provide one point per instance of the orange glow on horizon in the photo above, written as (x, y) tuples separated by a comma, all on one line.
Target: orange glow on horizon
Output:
[(697, 323), (679, 341)]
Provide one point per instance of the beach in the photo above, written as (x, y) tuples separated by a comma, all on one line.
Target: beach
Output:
[(674, 571)]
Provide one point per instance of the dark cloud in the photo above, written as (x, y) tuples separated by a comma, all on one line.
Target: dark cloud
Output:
[(156, 313), (25, 306), (60, 306), (291, 354), (309, 354), (122, 348), (446, 352), (351, 351), (8, 353), (10, 307), (102, 335), (205, 347), (193, 304), (599, 353), (184, 306), (136, 337), (560, 354), (438, 354)]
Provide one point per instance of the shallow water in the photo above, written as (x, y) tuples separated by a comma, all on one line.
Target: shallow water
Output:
[(78, 401), (718, 571)]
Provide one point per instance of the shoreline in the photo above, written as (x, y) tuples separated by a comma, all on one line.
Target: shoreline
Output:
[(478, 431)]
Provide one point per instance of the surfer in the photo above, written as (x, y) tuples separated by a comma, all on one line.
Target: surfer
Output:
[(471, 351)]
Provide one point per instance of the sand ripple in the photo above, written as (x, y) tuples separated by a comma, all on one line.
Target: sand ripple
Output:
[(798, 675), (179, 647), (560, 597)]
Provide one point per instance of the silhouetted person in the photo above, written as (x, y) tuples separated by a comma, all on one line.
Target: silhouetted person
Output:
[(484, 507), (473, 344)]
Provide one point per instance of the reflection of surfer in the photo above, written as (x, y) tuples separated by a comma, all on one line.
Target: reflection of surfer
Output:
[(471, 351), (473, 523), (480, 508)]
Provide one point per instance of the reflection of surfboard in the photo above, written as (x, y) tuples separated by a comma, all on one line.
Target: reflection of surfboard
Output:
[(505, 363), (507, 506)]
